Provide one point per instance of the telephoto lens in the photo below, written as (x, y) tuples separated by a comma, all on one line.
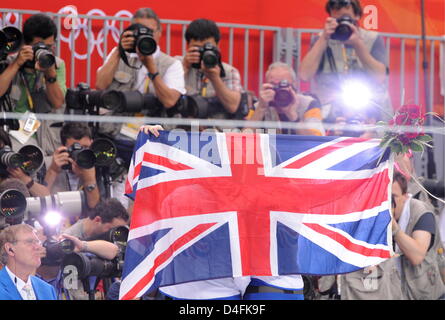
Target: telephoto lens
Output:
[(11, 159), (11, 40)]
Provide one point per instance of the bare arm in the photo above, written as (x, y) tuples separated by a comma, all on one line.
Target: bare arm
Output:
[(25, 54), (105, 73), (100, 248), (415, 247), (311, 61), (53, 90)]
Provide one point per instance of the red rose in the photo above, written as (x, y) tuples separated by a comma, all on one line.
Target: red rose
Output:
[(411, 135), (402, 119)]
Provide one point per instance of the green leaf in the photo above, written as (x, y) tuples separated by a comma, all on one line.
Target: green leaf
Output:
[(425, 138), (416, 146)]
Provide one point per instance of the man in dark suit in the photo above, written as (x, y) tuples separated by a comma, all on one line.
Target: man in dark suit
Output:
[(20, 253)]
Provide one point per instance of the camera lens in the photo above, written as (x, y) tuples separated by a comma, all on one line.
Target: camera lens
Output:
[(343, 31), (12, 159), (33, 158), (146, 45), (85, 158), (12, 203), (10, 39), (45, 58), (105, 152), (210, 59)]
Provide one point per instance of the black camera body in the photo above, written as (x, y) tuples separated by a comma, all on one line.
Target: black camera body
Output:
[(144, 41), (56, 250), (83, 98), (343, 31), (43, 55), (283, 97), (209, 55), (84, 158), (196, 106)]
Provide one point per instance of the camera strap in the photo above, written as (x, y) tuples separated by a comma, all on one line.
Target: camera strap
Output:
[(331, 60), (124, 58), (28, 88)]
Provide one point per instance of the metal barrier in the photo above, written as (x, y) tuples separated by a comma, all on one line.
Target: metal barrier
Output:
[(86, 23), (286, 45)]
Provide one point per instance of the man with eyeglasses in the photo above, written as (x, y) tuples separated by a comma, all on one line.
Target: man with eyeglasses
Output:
[(20, 253), (355, 56)]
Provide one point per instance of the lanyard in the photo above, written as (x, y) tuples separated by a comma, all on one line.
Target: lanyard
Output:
[(147, 85), (204, 83), (346, 59), (28, 89)]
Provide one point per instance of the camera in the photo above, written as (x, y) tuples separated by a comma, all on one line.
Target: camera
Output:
[(283, 97), (29, 159), (89, 265), (132, 102), (209, 55), (196, 106), (11, 40), (56, 250), (144, 41), (343, 31), (84, 158), (105, 152), (16, 208), (83, 98), (43, 55)]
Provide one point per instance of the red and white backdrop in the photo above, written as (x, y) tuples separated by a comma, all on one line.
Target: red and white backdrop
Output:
[(395, 16)]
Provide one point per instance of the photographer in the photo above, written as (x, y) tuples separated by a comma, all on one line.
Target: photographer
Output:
[(343, 51), (58, 179), (279, 101), (33, 87), (108, 214), (156, 73), (219, 79)]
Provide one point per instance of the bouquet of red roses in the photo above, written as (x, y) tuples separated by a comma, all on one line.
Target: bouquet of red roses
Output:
[(407, 131)]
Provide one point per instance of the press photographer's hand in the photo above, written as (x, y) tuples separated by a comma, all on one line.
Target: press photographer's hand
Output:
[(211, 73), (127, 40), (266, 96), (355, 37), (329, 28), (25, 54), (61, 157), (191, 56)]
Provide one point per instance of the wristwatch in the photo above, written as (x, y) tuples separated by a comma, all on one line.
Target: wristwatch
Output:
[(51, 79), (90, 187), (152, 76)]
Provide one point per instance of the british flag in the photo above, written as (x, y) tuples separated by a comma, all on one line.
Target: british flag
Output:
[(215, 205)]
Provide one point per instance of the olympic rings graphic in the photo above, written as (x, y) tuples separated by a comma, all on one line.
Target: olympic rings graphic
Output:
[(76, 25)]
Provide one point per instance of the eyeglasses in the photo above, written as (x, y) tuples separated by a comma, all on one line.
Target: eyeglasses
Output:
[(31, 242), (337, 4)]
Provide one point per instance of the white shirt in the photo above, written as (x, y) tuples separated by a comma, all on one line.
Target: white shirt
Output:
[(173, 77), (20, 284)]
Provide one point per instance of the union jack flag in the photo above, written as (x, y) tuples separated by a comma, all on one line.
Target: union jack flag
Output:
[(215, 205)]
